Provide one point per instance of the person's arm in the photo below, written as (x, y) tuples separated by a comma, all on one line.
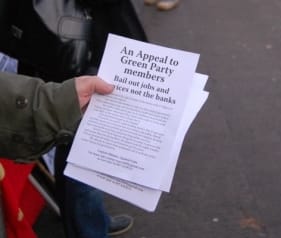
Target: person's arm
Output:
[(35, 116)]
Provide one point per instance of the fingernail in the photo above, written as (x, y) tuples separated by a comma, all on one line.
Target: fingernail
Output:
[(110, 86)]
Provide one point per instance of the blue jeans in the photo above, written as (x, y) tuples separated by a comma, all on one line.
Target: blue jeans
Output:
[(81, 206)]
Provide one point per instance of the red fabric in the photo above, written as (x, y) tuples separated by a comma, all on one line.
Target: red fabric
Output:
[(22, 203)]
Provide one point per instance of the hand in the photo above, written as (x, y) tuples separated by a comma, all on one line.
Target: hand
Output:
[(86, 86)]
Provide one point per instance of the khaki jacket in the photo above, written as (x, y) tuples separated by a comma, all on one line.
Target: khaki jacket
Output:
[(35, 116)]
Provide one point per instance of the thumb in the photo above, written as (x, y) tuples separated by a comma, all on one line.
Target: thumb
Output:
[(100, 86), (86, 86)]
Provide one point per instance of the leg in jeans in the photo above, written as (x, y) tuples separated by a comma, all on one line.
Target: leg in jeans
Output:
[(81, 206)]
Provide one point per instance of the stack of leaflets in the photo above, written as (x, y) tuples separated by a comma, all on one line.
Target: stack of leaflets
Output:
[(128, 142)]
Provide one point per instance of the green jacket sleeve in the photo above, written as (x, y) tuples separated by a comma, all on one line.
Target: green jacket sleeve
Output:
[(35, 116)]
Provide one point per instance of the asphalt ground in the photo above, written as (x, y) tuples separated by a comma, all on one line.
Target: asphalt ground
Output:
[(228, 179)]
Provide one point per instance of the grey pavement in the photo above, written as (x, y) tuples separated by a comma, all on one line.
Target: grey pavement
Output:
[(228, 179)]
